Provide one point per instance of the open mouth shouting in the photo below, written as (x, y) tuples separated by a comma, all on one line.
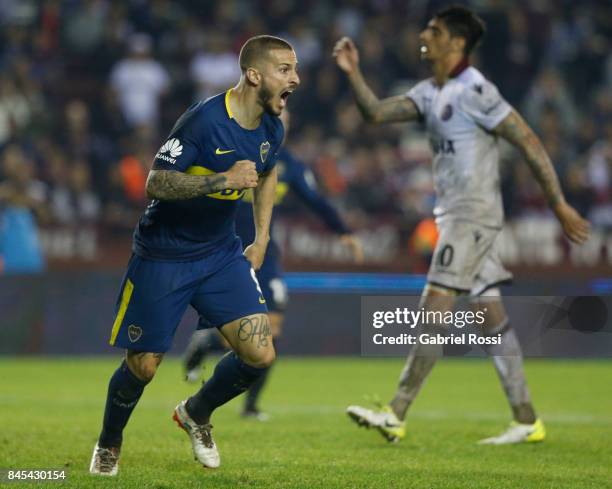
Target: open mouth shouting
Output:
[(284, 96)]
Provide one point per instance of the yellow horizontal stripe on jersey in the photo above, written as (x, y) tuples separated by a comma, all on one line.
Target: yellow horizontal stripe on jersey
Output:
[(227, 194), (125, 301)]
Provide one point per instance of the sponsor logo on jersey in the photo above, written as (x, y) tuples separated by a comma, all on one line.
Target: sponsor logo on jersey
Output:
[(170, 151), (264, 149), (220, 151), (444, 146)]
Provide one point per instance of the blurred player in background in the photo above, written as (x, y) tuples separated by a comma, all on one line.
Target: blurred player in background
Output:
[(464, 115), (295, 176), (186, 250)]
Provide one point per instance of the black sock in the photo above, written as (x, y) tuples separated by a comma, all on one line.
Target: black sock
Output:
[(124, 391), (231, 377), (252, 395)]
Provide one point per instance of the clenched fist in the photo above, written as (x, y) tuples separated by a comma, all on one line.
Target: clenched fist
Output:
[(242, 175)]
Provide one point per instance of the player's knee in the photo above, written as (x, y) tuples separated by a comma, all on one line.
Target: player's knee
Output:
[(260, 358), (144, 365)]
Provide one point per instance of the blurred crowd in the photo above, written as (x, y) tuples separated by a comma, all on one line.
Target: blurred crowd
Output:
[(90, 88)]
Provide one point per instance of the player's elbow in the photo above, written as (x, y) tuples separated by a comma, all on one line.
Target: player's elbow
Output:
[(152, 185)]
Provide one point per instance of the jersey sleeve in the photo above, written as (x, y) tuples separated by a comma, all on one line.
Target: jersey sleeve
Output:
[(418, 95), (304, 184), (483, 103), (183, 147)]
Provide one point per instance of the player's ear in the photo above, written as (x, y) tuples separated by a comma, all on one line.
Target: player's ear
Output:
[(458, 43), (253, 76)]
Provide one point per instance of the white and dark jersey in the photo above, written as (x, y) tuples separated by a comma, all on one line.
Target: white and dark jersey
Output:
[(459, 117)]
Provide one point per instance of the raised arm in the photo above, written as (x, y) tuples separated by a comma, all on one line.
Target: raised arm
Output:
[(263, 202), (516, 131), (175, 185), (392, 109)]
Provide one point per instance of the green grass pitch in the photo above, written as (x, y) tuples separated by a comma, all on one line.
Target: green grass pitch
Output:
[(51, 409)]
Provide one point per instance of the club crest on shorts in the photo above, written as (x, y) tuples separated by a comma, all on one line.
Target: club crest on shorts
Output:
[(134, 333), (447, 112), (264, 149)]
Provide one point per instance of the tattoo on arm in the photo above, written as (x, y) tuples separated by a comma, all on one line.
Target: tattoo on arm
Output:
[(516, 131), (393, 109), (174, 185), (255, 330)]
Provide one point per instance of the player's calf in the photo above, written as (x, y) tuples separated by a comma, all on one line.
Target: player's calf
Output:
[(124, 391)]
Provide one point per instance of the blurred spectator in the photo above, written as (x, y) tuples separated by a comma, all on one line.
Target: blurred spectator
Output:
[(138, 82), (215, 69), (15, 110), (549, 91), (21, 201), (94, 146)]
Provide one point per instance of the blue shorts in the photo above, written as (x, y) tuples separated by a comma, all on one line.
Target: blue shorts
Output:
[(270, 277), (155, 294)]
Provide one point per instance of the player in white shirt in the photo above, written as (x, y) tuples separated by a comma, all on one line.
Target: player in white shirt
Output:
[(464, 115)]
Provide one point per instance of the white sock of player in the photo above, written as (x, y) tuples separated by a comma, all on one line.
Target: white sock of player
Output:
[(508, 359)]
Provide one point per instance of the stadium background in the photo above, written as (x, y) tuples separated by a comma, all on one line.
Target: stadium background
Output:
[(89, 89)]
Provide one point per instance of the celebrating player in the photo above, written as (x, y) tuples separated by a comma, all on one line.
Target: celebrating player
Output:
[(292, 175), (186, 251), (464, 115)]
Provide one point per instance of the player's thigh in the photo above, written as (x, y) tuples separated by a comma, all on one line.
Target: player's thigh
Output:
[(251, 338), (232, 300), (153, 298), (491, 306), (438, 298), (459, 254)]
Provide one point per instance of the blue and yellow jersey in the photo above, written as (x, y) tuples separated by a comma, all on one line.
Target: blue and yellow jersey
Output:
[(205, 140), (295, 176)]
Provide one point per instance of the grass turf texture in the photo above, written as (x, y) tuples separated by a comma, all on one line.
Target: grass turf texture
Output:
[(51, 410)]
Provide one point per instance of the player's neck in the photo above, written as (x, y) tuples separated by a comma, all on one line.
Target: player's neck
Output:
[(449, 67), (245, 107)]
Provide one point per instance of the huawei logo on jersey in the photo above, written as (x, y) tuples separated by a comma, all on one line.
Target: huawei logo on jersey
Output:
[(170, 150)]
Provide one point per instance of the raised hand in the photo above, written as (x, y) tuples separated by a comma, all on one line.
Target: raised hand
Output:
[(347, 55)]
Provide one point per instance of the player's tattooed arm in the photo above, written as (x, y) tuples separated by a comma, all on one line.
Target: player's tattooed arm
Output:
[(174, 185), (392, 109), (516, 131)]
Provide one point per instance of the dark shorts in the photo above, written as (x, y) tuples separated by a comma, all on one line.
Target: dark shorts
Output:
[(270, 277), (154, 295)]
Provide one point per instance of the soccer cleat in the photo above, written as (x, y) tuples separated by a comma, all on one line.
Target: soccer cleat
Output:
[(104, 461), (384, 420), (255, 414), (204, 448), (518, 433)]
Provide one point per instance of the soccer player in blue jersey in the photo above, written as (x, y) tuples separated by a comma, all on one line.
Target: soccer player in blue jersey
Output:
[(186, 251), (295, 176)]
